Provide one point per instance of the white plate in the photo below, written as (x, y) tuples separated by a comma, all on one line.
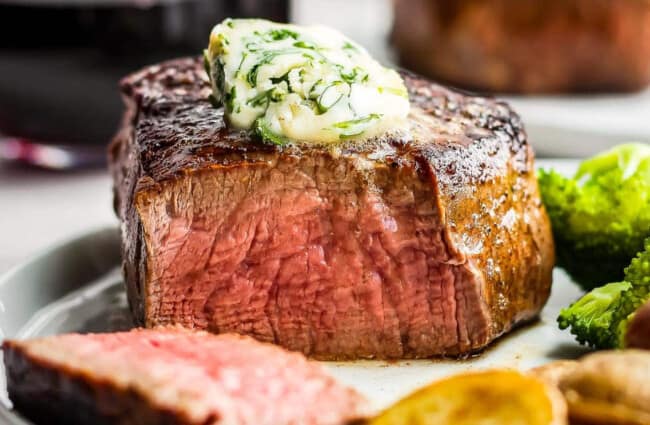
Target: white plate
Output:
[(580, 126), (76, 286)]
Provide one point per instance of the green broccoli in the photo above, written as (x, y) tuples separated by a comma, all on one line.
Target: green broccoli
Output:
[(590, 318), (600, 318), (601, 216), (638, 274)]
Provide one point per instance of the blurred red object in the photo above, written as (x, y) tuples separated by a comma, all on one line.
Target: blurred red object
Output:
[(53, 157)]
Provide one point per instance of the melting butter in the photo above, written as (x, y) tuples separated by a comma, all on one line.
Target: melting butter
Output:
[(307, 84)]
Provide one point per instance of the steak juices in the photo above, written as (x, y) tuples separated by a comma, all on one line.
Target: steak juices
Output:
[(408, 226)]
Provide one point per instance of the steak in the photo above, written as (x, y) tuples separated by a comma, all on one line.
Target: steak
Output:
[(399, 247), (171, 376)]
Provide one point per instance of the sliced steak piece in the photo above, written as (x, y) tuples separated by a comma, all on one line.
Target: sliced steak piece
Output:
[(396, 248), (171, 376)]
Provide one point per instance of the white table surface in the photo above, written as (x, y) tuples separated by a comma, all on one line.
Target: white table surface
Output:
[(38, 209)]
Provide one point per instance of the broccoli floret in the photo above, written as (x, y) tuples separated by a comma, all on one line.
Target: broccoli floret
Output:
[(600, 318), (590, 318), (638, 274), (601, 216)]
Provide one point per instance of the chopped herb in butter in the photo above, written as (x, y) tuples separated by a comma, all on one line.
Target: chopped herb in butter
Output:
[(306, 84)]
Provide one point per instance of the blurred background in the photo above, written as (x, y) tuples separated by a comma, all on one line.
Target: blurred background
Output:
[(576, 70)]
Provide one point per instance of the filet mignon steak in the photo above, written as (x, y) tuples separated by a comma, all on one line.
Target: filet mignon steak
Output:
[(171, 376), (429, 245)]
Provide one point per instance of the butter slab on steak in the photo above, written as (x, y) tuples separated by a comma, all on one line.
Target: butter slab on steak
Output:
[(394, 248), (172, 377)]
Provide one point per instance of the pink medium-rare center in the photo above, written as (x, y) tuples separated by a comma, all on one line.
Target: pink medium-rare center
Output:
[(390, 249)]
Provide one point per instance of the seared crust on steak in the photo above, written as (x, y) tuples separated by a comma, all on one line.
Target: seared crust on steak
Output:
[(42, 391), (395, 248)]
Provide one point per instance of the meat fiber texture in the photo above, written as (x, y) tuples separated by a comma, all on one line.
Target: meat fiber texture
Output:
[(398, 247), (171, 376)]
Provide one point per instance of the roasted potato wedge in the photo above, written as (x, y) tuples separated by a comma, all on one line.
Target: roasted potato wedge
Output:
[(555, 372), (610, 387), (498, 397), (604, 388)]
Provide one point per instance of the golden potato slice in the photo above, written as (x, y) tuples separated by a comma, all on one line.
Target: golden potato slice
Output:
[(497, 397), (609, 387), (554, 373)]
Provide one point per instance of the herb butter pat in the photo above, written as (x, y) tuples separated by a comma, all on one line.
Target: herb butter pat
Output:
[(307, 84)]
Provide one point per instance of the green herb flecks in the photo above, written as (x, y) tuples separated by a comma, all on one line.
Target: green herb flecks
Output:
[(349, 46), (266, 59), (241, 63), (219, 77), (206, 63), (393, 90), (261, 129), (304, 45), (279, 34), (355, 127), (356, 74), (261, 99), (229, 99), (213, 101), (219, 43), (330, 97), (264, 98)]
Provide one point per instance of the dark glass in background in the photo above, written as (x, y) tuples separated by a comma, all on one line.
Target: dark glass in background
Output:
[(61, 60)]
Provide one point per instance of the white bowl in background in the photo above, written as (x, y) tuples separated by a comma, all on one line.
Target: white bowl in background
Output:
[(582, 125)]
